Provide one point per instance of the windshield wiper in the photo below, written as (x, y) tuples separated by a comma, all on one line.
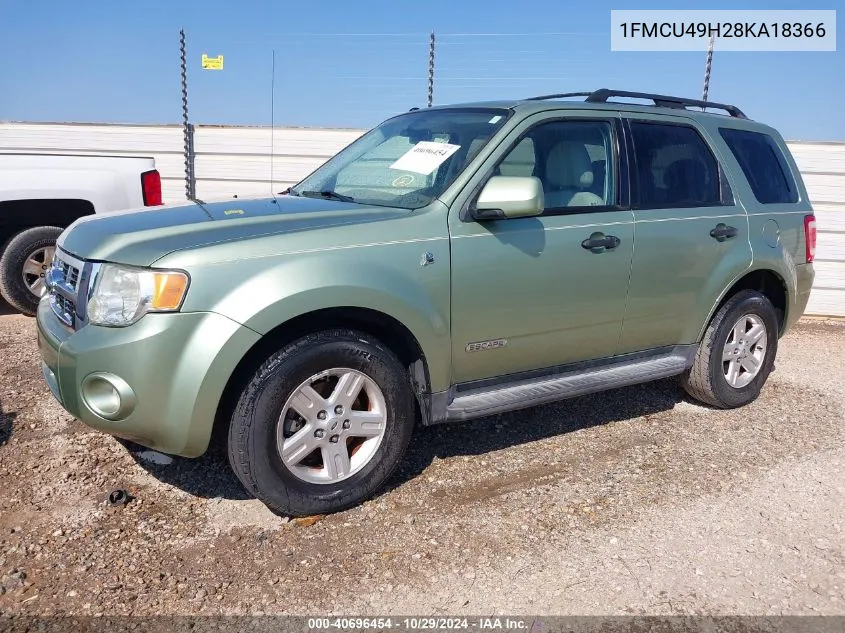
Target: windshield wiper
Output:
[(328, 195)]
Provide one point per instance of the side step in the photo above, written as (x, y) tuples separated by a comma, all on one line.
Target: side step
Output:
[(476, 403)]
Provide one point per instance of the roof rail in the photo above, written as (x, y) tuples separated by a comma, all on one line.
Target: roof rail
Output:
[(664, 101), (560, 95)]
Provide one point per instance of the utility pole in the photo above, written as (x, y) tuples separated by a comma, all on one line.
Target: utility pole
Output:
[(187, 128), (272, 115), (431, 70), (707, 69)]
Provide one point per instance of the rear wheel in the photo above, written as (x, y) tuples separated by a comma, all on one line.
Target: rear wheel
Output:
[(736, 354), (322, 423), (24, 263)]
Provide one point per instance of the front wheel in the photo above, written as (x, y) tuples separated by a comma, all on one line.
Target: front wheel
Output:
[(322, 423), (736, 354)]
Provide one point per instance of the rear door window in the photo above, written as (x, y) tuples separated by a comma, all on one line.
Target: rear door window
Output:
[(674, 167), (763, 164)]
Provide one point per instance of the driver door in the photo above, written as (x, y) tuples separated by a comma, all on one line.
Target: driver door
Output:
[(526, 295)]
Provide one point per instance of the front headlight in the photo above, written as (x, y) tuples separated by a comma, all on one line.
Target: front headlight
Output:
[(123, 294)]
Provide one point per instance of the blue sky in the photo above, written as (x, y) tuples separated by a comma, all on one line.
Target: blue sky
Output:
[(347, 63)]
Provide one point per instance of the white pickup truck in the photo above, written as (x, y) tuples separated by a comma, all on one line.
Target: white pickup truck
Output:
[(42, 194)]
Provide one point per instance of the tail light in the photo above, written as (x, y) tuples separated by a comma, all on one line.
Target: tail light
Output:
[(151, 188), (810, 236)]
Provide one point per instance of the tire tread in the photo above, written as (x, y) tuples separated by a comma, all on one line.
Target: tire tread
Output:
[(698, 381), (244, 442)]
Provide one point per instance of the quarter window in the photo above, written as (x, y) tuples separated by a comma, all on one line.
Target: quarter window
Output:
[(763, 164), (572, 159), (674, 167)]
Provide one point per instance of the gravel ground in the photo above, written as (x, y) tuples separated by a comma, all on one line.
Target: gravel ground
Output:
[(635, 501)]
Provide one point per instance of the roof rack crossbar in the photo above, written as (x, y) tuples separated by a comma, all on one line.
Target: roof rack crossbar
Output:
[(664, 101)]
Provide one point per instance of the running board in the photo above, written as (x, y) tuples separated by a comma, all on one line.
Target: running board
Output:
[(480, 402)]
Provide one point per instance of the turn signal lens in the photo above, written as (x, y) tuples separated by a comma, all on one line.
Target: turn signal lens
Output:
[(169, 289)]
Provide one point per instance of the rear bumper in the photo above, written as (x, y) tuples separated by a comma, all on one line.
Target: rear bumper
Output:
[(804, 277), (157, 382)]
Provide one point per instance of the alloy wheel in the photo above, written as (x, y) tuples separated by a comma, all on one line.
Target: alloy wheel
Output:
[(744, 351), (35, 269), (331, 426)]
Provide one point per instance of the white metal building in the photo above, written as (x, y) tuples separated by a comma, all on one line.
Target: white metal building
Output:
[(235, 161)]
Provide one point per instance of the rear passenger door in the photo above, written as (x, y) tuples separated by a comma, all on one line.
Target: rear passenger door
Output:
[(691, 233)]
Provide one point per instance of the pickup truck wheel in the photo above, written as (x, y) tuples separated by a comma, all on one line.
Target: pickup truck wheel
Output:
[(23, 265), (736, 354), (322, 423)]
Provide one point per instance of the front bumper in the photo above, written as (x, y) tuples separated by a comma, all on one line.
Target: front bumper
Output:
[(169, 370)]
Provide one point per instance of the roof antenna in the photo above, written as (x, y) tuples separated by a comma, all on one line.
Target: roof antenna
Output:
[(272, 119)]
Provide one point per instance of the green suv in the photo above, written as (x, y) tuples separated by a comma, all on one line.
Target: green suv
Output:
[(452, 263)]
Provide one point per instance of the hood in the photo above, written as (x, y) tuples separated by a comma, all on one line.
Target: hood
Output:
[(140, 237)]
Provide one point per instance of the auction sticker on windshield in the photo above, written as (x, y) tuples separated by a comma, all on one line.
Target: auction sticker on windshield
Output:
[(425, 157)]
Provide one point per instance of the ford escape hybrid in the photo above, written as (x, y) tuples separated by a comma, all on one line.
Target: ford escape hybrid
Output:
[(452, 263)]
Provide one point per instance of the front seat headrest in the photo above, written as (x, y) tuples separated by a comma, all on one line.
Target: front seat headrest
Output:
[(568, 166)]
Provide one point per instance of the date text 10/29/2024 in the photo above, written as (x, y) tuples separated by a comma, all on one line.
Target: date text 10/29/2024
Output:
[(421, 624)]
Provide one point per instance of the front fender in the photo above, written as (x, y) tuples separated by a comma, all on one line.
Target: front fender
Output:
[(263, 293)]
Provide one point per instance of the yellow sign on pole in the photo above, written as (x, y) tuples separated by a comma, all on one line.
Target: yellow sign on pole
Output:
[(212, 63)]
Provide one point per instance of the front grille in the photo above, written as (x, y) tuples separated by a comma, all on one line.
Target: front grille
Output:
[(71, 274), (64, 283), (63, 308)]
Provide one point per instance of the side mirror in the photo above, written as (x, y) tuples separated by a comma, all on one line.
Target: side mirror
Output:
[(509, 197)]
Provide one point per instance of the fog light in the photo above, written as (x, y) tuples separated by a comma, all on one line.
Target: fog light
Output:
[(108, 396)]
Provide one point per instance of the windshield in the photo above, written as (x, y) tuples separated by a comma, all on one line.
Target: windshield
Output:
[(408, 160)]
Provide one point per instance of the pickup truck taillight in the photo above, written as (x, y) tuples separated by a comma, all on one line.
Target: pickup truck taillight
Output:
[(151, 188), (810, 236)]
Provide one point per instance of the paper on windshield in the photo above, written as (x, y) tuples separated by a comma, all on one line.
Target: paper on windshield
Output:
[(425, 157)]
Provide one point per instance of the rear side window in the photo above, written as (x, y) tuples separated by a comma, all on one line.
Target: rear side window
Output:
[(674, 167), (763, 164)]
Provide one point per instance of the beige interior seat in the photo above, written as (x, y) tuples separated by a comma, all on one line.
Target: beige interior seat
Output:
[(569, 177)]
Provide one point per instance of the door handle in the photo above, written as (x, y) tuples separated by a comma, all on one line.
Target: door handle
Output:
[(723, 232), (599, 242)]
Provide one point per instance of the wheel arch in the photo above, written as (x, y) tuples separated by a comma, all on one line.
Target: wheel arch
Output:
[(17, 215), (763, 280), (386, 329)]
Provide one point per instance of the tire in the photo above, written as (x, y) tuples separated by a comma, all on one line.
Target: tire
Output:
[(305, 484), (707, 380), (40, 242)]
